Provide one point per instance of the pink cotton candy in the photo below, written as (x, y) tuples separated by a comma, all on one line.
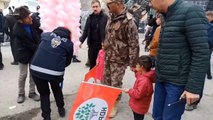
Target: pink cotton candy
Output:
[(65, 13)]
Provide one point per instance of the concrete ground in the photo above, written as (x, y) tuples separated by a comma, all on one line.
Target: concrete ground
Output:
[(30, 110)]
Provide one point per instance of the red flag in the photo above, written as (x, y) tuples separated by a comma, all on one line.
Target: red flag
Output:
[(93, 102), (91, 75)]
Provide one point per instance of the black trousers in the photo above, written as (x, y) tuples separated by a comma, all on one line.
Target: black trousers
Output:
[(44, 91), (1, 64), (209, 68), (93, 54), (138, 116)]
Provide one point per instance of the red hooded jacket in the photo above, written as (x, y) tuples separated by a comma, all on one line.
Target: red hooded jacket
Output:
[(141, 93)]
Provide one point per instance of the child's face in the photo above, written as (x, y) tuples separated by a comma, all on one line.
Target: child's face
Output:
[(139, 68)]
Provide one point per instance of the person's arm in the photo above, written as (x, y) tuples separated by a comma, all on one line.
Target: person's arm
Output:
[(85, 32), (98, 58), (133, 46), (155, 39), (103, 29), (197, 38), (36, 20), (140, 91), (69, 54), (6, 26)]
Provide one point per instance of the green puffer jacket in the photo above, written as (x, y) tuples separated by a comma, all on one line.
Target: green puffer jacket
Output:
[(183, 52)]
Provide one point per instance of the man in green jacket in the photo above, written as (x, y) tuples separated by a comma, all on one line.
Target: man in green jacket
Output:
[(182, 59)]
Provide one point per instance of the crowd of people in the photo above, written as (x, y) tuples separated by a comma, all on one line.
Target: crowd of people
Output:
[(178, 62)]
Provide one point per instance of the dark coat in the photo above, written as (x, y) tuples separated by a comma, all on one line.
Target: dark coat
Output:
[(10, 21), (53, 55), (183, 51), (1, 27), (25, 44), (87, 31), (36, 22)]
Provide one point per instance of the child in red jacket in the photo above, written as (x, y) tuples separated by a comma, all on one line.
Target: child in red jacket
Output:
[(141, 93), (100, 65)]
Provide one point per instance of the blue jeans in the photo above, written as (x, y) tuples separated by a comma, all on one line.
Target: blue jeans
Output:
[(166, 93)]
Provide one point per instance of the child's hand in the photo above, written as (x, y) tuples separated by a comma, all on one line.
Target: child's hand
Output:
[(126, 90)]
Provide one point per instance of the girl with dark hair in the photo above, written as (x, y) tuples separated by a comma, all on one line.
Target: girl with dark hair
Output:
[(141, 93)]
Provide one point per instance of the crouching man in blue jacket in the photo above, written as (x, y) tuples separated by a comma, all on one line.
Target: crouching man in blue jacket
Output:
[(48, 66)]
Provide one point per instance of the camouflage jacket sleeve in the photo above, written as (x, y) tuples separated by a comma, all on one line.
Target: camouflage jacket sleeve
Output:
[(133, 46)]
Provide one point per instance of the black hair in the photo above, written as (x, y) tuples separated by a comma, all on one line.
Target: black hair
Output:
[(96, 1), (145, 61), (63, 32), (26, 7), (21, 12)]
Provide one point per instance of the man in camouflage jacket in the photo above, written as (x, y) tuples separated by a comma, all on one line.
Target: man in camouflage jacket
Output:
[(121, 44)]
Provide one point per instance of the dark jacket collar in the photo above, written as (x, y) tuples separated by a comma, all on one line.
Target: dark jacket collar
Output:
[(100, 14), (174, 5)]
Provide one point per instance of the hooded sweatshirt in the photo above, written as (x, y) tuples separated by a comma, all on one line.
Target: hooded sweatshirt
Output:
[(53, 55), (141, 93)]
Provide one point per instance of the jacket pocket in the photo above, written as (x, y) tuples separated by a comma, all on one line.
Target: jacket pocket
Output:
[(121, 50)]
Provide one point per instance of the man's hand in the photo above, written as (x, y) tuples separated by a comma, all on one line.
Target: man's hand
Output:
[(190, 97), (80, 45)]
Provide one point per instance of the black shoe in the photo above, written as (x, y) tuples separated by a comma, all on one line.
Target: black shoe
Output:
[(87, 64), (34, 96), (14, 63), (75, 60), (209, 77), (2, 67), (61, 112), (47, 118)]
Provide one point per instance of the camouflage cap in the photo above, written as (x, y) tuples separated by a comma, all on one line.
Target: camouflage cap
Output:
[(121, 1)]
